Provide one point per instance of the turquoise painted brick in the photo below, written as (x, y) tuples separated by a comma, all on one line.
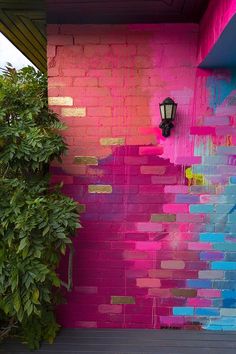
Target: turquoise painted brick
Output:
[(227, 247), (183, 311), (212, 237), (221, 265), (230, 190), (232, 180), (223, 208), (201, 311), (226, 150), (232, 218), (201, 208)]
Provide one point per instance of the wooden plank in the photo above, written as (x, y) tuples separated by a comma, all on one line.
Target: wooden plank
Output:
[(81, 341)]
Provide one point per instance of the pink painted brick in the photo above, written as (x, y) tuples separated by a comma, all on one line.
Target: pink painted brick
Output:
[(188, 160), (203, 130), (175, 208), (86, 324), (152, 246), (164, 180), (148, 226), (148, 283), (104, 308), (199, 302), (209, 293), (177, 189), (157, 150), (60, 40), (199, 246), (153, 170)]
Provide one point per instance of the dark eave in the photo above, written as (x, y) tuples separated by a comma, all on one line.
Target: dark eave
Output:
[(125, 11), (23, 22)]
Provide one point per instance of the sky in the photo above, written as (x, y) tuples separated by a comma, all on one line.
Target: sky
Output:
[(9, 53)]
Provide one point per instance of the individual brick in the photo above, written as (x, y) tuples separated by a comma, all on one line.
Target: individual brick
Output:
[(120, 300), (210, 274), (73, 112), (112, 141), (184, 292), (61, 40), (153, 170), (60, 101), (183, 311), (99, 188), (172, 264), (163, 217), (105, 308), (148, 283), (86, 160)]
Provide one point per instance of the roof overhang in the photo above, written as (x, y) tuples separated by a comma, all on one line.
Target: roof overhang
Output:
[(23, 22)]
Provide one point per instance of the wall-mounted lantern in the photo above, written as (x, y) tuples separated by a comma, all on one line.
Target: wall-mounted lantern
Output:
[(168, 110)]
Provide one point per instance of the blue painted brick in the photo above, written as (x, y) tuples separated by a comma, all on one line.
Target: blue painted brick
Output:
[(212, 237), (228, 294), (201, 311), (201, 208), (199, 283), (223, 265), (223, 284), (187, 198), (183, 311), (211, 256)]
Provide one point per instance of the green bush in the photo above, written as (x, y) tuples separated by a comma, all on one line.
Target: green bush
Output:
[(36, 219)]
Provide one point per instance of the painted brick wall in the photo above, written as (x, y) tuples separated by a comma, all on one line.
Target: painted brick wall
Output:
[(157, 248)]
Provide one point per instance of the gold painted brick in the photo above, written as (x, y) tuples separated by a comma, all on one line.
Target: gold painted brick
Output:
[(100, 188), (86, 160), (120, 300), (74, 112), (163, 217), (81, 208), (112, 141), (60, 101)]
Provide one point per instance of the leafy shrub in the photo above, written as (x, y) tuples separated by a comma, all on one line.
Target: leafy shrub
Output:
[(36, 219)]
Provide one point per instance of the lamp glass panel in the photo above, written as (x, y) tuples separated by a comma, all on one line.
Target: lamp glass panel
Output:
[(169, 108), (162, 108), (174, 111)]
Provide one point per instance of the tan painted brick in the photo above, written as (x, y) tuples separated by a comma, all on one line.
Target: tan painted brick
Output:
[(73, 112), (112, 141), (100, 188), (163, 217), (172, 264), (184, 292), (120, 300), (60, 101), (86, 160)]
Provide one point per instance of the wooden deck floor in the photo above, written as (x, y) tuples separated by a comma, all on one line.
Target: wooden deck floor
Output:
[(125, 341)]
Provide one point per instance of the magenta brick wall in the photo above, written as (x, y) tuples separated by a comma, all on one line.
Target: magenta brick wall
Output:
[(151, 249)]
